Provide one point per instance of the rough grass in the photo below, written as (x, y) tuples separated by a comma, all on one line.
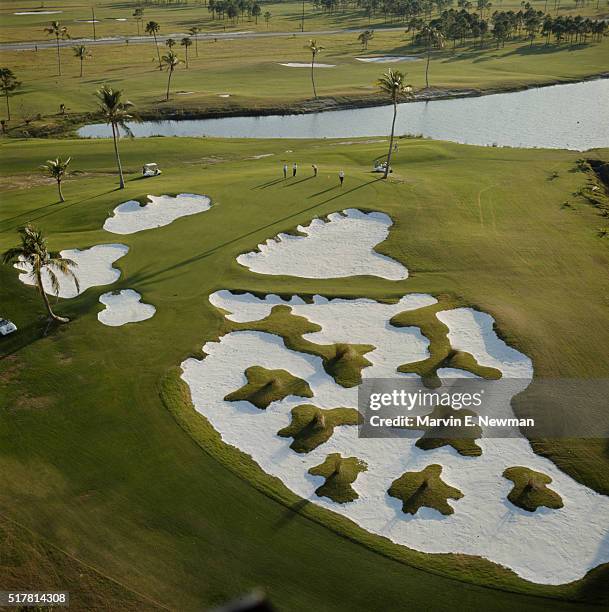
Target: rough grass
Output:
[(441, 354), (344, 362), (424, 489), (340, 473), (88, 459), (530, 489), (312, 426), (267, 386)]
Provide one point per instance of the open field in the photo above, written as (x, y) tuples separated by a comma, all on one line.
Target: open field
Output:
[(121, 486), (178, 17), (239, 67)]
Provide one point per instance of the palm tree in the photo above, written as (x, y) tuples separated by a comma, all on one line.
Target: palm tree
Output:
[(33, 252), (138, 15), (194, 31), (82, 53), (170, 61), (365, 37), (152, 27), (394, 85), (58, 31), (115, 112), (8, 83), (267, 17), (256, 11), (170, 43), (186, 42), (433, 37), (314, 48), (57, 169)]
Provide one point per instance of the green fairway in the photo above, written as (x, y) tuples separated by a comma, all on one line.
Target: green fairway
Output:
[(93, 460)]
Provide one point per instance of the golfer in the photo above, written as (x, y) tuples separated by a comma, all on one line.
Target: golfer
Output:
[(341, 177), (285, 171), (294, 168), (314, 166)]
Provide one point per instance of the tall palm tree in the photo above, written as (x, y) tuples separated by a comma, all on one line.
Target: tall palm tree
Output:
[(152, 27), (170, 61), (8, 83), (115, 112), (59, 32), (267, 18), (82, 53), (365, 37), (314, 48), (194, 31), (33, 252), (57, 169), (170, 43), (393, 84), (138, 15), (186, 42), (433, 38)]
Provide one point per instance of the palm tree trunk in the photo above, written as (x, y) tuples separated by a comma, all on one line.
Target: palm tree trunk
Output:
[(47, 304), (395, 114), (186, 57), (168, 82), (61, 198), (118, 158), (427, 66), (58, 55), (196, 46), (313, 76), (156, 44), (81, 60), (8, 108)]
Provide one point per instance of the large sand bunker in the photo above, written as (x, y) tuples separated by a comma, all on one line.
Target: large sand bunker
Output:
[(131, 217), (341, 246), (388, 59), (124, 307), (94, 268), (306, 65)]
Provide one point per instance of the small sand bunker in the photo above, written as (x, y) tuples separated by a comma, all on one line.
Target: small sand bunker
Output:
[(388, 59), (305, 65), (184, 93), (124, 307), (86, 20), (131, 217), (37, 12), (94, 268), (225, 95), (342, 246)]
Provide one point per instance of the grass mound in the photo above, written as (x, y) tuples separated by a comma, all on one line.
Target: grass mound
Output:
[(424, 488), (441, 354), (530, 491), (312, 426), (344, 362), (340, 473), (460, 437), (267, 386)]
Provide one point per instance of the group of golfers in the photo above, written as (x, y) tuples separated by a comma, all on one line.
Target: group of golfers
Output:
[(341, 173)]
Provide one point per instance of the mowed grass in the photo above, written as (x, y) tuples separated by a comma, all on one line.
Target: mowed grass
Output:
[(286, 17), (250, 71), (91, 458)]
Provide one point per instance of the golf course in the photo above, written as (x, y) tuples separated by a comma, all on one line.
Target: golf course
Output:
[(196, 317)]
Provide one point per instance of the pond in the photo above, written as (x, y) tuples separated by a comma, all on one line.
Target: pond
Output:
[(570, 116)]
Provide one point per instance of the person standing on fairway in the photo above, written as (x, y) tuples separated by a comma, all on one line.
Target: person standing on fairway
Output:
[(341, 177), (314, 166), (285, 171), (294, 168)]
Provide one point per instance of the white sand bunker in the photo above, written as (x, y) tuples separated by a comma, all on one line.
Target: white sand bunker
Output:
[(223, 95), (306, 65), (94, 268), (389, 59), (342, 246), (130, 217), (124, 307), (547, 546), (37, 12)]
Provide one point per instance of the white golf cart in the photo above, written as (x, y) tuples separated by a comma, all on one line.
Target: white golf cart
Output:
[(380, 167), (7, 327), (149, 170)]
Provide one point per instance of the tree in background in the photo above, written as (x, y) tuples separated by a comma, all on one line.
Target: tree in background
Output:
[(152, 28), (33, 251), (59, 32), (314, 48), (115, 112), (138, 15), (256, 11), (267, 18), (57, 169), (8, 84), (82, 53), (186, 42), (393, 83), (194, 31), (170, 61), (433, 37), (365, 37)]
